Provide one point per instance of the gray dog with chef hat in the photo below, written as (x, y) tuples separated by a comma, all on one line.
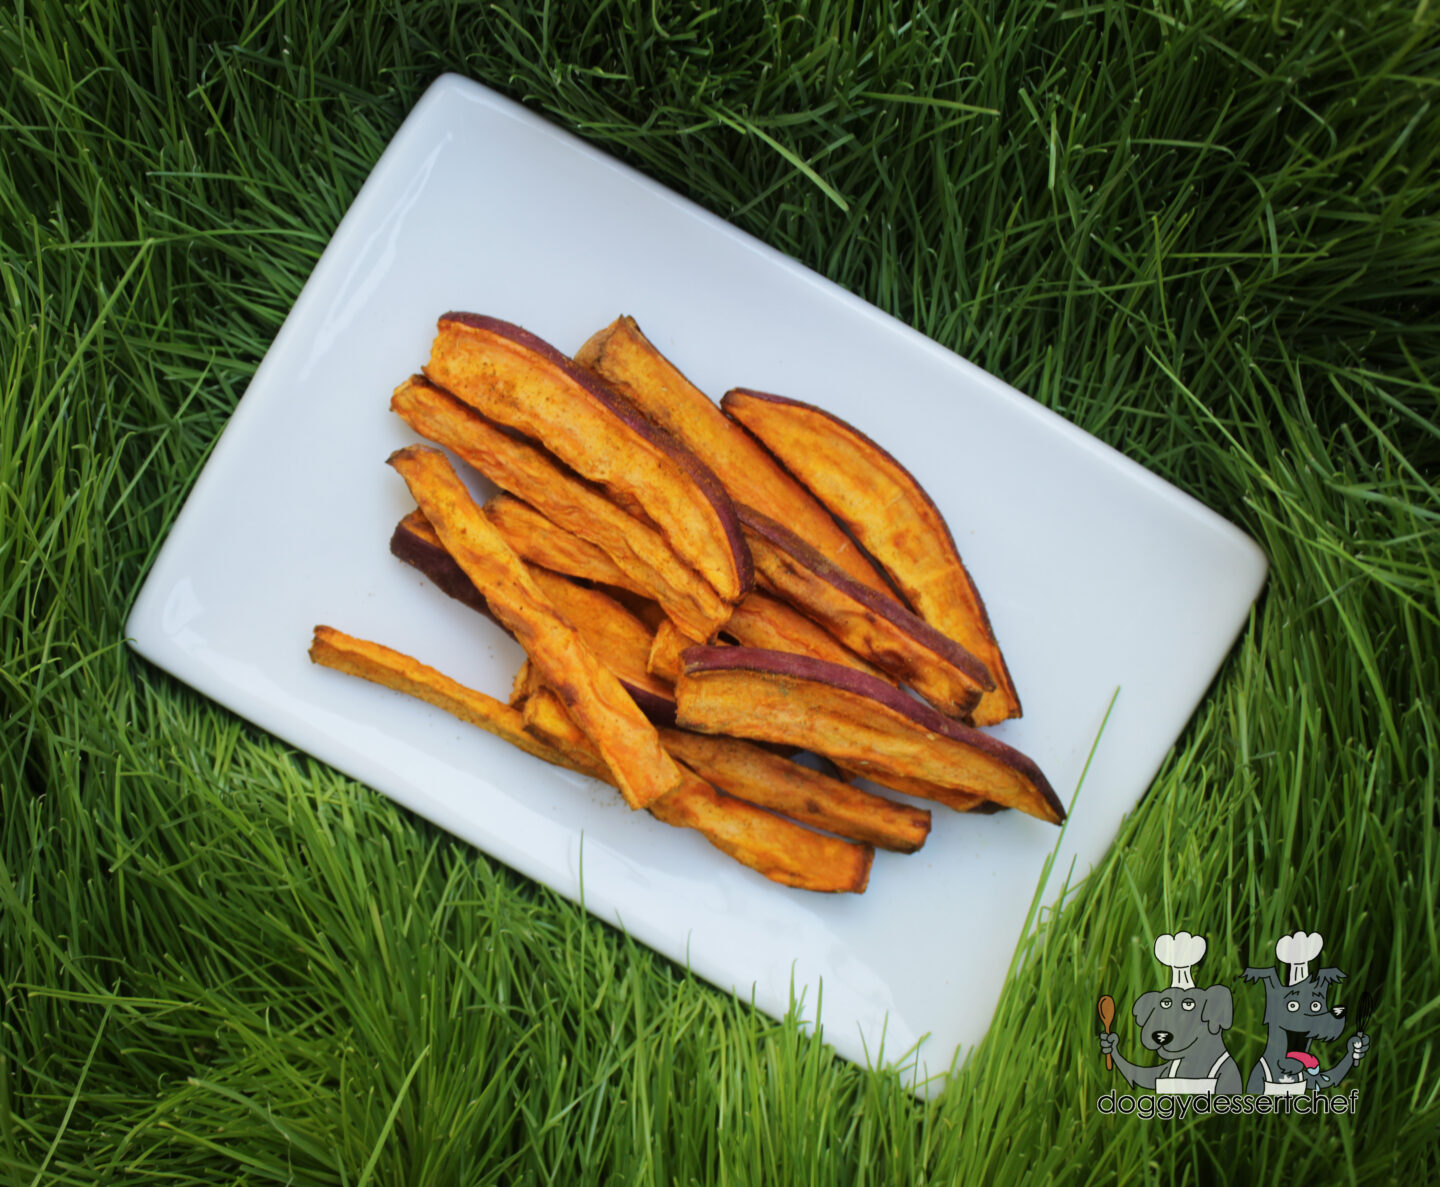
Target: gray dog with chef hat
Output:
[(1296, 1014), (1184, 1025)]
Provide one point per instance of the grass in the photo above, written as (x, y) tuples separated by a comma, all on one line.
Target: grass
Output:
[(1205, 232)]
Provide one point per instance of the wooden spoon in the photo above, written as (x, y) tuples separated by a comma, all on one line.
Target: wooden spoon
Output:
[(1107, 1016)]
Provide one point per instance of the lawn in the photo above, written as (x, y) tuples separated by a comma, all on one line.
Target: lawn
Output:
[(1208, 233)]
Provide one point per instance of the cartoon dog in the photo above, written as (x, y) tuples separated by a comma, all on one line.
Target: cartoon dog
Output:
[(1295, 1015), (1183, 1025)]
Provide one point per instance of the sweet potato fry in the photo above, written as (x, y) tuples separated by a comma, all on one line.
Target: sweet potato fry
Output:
[(414, 541), (541, 541), (889, 512), (762, 621), (618, 639), (776, 848), (382, 665), (759, 621), (511, 376), (531, 474), (604, 710), (855, 719), (960, 801), (622, 356), (766, 779), (875, 627), (779, 849)]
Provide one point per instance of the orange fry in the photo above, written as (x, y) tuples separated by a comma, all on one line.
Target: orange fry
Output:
[(529, 473), (763, 621), (622, 356), (780, 849), (543, 542), (509, 375), (392, 669), (887, 509), (773, 782), (625, 740)]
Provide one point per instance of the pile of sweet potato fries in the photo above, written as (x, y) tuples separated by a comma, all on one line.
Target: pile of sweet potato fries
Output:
[(701, 590)]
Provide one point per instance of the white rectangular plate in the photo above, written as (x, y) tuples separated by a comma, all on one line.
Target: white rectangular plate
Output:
[(1098, 576)]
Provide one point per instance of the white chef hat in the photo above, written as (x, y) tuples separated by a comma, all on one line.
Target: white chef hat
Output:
[(1181, 952), (1298, 951)]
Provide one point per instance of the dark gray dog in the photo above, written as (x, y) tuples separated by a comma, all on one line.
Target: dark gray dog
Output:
[(1296, 1014), (1184, 1025)]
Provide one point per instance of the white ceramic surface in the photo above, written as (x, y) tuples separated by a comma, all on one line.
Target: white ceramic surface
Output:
[(1102, 580)]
